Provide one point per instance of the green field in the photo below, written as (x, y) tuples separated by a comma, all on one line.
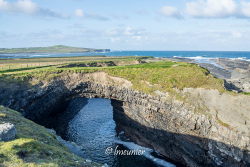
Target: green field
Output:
[(50, 49), (20, 64)]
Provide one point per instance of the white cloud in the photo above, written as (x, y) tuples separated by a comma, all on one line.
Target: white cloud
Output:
[(23, 6), (245, 8), (97, 17), (170, 11), (129, 31), (236, 34), (218, 9), (3, 5), (126, 33), (120, 31), (115, 39), (26, 7), (79, 13), (212, 8)]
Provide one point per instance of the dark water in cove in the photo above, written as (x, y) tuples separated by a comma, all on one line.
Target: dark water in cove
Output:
[(93, 129)]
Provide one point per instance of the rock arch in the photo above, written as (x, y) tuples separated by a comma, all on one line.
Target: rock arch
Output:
[(169, 126)]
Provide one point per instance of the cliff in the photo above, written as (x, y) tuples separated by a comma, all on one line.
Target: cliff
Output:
[(197, 126)]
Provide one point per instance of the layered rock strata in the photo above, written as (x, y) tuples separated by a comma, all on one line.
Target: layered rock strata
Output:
[(192, 131)]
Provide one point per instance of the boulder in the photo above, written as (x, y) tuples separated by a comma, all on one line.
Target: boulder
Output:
[(7, 132)]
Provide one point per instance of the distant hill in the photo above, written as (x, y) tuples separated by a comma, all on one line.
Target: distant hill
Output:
[(51, 49)]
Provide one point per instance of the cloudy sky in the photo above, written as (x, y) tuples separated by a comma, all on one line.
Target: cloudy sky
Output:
[(127, 24)]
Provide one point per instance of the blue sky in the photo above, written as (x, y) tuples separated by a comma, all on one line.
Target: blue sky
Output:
[(127, 25)]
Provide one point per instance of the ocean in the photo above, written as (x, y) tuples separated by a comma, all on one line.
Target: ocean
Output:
[(198, 55)]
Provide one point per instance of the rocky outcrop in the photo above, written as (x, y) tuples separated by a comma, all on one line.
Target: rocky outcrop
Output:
[(240, 72), (7, 132), (186, 131), (235, 72)]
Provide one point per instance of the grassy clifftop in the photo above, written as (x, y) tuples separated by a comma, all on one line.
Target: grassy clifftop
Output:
[(50, 49), (34, 146), (146, 74), (167, 76)]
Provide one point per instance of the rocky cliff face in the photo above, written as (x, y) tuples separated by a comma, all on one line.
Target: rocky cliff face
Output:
[(186, 131)]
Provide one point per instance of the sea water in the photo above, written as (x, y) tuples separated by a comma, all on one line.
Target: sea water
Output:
[(94, 131), (167, 54)]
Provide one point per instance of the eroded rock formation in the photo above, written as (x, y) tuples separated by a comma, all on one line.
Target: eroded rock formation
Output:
[(192, 131)]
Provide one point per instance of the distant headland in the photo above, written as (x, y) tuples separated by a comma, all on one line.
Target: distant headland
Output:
[(50, 49)]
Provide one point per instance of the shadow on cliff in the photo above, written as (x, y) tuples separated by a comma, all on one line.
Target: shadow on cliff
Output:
[(35, 102), (188, 149)]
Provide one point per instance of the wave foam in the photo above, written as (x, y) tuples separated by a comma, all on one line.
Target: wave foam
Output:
[(197, 57), (240, 58), (147, 154)]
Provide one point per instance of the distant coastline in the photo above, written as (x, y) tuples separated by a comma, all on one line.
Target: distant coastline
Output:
[(50, 49)]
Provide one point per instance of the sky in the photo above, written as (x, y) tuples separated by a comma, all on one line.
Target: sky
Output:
[(212, 25)]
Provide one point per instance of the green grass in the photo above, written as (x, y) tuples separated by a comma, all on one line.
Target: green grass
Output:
[(65, 59), (21, 69), (34, 146), (167, 76), (246, 93), (223, 123), (147, 77), (12, 65)]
